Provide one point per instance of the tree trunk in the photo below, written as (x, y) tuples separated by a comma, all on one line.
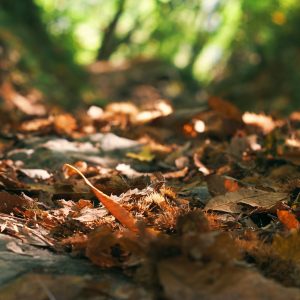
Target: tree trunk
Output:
[(109, 42)]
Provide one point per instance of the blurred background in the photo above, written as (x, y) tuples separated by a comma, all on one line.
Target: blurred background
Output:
[(95, 51)]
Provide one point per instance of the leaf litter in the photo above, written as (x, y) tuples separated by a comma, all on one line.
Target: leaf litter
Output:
[(189, 204)]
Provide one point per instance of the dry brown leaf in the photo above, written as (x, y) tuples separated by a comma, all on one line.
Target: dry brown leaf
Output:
[(220, 185), (113, 249), (18, 101), (36, 125), (90, 215), (117, 210), (78, 242), (82, 203), (184, 279), (64, 124), (39, 286), (10, 202), (225, 108), (258, 199)]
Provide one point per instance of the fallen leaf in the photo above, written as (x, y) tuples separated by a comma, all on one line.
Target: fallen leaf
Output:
[(184, 279), (144, 155), (82, 203), (231, 185), (113, 249), (87, 215), (95, 112), (232, 202), (64, 124), (10, 202), (36, 125), (36, 173), (201, 167), (112, 142), (117, 210), (225, 108), (63, 145), (189, 130), (20, 102), (220, 185), (265, 123), (40, 286), (288, 219), (176, 174), (128, 171)]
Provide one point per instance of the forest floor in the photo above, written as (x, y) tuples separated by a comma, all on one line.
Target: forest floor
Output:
[(141, 200)]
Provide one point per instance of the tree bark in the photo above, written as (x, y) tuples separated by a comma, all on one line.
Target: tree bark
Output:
[(109, 42)]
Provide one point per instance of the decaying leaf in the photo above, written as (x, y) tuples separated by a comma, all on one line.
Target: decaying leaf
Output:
[(232, 202), (225, 108), (119, 212), (64, 124), (113, 249), (183, 279), (9, 203), (139, 165), (220, 185), (41, 286)]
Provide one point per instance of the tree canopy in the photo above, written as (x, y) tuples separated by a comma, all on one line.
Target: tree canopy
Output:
[(239, 49)]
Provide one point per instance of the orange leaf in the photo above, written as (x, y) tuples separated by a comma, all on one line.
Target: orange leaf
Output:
[(82, 203), (64, 124), (288, 219), (118, 211), (231, 185), (189, 130)]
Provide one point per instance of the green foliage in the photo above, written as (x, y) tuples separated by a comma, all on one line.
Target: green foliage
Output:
[(173, 30), (264, 59), (36, 58), (240, 49)]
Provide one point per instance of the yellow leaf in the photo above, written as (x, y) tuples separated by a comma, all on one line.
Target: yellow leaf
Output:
[(144, 155)]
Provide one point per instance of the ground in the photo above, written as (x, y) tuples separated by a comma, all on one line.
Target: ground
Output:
[(141, 200)]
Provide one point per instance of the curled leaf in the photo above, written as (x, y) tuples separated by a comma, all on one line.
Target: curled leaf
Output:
[(118, 211)]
